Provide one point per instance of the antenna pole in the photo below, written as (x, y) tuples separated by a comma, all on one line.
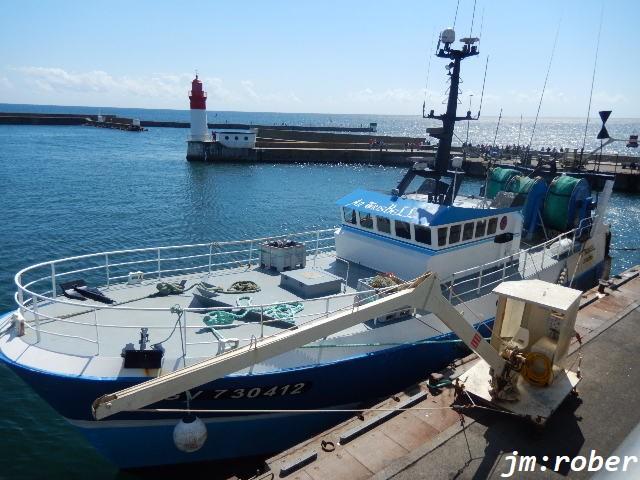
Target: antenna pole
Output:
[(484, 80), (467, 139), (455, 18), (546, 78), (593, 77), (519, 130), (473, 16), (497, 127)]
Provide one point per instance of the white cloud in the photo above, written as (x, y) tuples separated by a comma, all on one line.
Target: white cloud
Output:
[(52, 79), (169, 88)]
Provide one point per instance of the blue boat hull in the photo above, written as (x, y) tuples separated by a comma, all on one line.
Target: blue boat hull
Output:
[(343, 384), (139, 439)]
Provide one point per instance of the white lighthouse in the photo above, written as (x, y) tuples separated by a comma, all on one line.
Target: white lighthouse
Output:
[(198, 103), (225, 144)]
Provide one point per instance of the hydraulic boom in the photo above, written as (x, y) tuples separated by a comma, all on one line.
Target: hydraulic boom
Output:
[(424, 293)]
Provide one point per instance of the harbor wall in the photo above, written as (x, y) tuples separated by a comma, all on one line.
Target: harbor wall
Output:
[(317, 144)]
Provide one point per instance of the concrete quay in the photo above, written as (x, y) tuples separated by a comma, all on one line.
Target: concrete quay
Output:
[(434, 436)]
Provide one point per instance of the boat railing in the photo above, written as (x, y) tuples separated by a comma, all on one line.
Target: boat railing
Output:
[(112, 269), (106, 268), (330, 305), (478, 280)]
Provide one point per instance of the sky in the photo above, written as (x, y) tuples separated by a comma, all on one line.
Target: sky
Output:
[(324, 56)]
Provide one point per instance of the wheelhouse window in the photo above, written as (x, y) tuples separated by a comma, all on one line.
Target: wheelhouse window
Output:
[(366, 220), (403, 229), (467, 231), (454, 233), (493, 224), (442, 236), (349, 215), (384, 224), (422, 234), (481, 228)]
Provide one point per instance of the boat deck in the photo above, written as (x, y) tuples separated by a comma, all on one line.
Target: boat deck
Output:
[(87, 328), (84, 333)]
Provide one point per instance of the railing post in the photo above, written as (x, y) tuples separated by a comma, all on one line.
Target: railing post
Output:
[(261, 321), (524, 266), (20, 295), (250, 253), (184, 319), (504, 269), (53, 280), (95, 323), (346, 280), (315, 255), (326, 306), (453, 279), (106, 266), (210, 255), (34, 304), (159, 268), (479, 281), (544, 252)]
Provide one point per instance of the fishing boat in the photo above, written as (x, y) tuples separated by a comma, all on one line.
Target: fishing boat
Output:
[(89, 325)]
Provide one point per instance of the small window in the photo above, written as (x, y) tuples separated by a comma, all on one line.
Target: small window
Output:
[(403, 229), (423, 234), (384, 224), (226, 137), (481, 228), (366, 220), (442, 236), (493, 224), (236, 137), (467, 231), (349, 215), (246, 138), (454, 234)]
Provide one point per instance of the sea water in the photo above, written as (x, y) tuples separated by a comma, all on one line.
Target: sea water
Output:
[(74, 190)]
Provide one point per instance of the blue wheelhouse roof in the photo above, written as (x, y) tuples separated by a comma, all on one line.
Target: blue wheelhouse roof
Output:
[(414, 211)]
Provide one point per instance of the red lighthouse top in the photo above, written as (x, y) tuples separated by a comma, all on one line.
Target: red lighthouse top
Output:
[(197, 96)]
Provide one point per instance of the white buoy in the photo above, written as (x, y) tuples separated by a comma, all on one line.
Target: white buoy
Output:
[(190, 434)]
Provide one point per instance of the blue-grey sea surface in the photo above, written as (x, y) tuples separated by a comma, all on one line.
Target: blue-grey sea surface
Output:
[(73, 190)]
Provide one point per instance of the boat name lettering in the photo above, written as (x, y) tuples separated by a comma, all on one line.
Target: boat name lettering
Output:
[(255, 392), (405, 212)]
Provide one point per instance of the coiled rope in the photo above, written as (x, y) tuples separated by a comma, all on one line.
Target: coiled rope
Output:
[(283, 312)]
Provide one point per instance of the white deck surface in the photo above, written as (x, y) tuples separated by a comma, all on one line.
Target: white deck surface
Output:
[(120, 325)]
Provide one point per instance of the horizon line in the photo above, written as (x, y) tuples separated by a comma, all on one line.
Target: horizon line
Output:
[(296, 113)]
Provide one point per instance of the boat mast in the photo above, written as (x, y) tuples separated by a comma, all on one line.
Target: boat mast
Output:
[(439, 191), (449, 118)]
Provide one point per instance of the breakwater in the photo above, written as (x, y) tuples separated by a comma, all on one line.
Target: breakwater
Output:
[(12, 118)]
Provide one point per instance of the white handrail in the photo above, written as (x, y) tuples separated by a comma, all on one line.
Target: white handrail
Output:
[(526, 254)]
